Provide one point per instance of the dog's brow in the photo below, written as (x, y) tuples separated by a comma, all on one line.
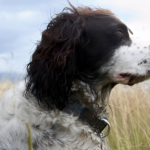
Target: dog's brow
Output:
[(130, 30)]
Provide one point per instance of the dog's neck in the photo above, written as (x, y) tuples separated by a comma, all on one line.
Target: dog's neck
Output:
[(82, 94)]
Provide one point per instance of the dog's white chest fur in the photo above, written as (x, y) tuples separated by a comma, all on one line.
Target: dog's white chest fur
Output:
[(53, 130)]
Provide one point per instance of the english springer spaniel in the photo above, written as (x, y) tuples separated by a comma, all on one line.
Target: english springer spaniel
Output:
[(82, 54)]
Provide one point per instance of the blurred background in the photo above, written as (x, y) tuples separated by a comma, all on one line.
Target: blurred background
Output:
[(21, 24)]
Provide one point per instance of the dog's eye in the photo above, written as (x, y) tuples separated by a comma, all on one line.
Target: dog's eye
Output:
[(119, 31)]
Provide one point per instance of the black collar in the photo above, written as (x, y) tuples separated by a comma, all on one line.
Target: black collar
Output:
[(88, 116)]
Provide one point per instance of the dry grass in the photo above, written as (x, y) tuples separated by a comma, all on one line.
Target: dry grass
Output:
[(5, 85), (129, 116)]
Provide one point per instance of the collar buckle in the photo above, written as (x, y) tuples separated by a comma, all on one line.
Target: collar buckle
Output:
[(100, 126)]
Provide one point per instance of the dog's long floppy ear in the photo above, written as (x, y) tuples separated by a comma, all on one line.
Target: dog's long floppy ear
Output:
[(53, 65)]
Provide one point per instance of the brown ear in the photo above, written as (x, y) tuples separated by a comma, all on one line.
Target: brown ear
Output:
[(53, 65)]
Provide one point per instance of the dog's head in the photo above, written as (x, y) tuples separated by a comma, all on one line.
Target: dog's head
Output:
[(87, 44)]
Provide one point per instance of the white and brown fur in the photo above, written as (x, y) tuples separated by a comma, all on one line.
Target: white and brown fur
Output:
[(83, 53)]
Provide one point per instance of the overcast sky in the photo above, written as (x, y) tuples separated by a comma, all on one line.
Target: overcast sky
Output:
[(22, 21)]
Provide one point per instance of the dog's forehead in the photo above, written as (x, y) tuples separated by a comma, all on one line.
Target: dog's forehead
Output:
[(105, 26), (106, 21)]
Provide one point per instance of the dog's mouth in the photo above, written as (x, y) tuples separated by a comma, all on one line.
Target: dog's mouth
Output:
[(133, 78), (130, 79)]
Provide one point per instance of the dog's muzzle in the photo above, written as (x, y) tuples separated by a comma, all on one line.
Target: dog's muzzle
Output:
[(97, 123)]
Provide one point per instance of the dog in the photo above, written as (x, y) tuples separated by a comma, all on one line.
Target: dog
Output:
[(83, 53)]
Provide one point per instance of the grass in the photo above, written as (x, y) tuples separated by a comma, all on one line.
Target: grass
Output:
[(29, 136), (5, 85), (129, 116)]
